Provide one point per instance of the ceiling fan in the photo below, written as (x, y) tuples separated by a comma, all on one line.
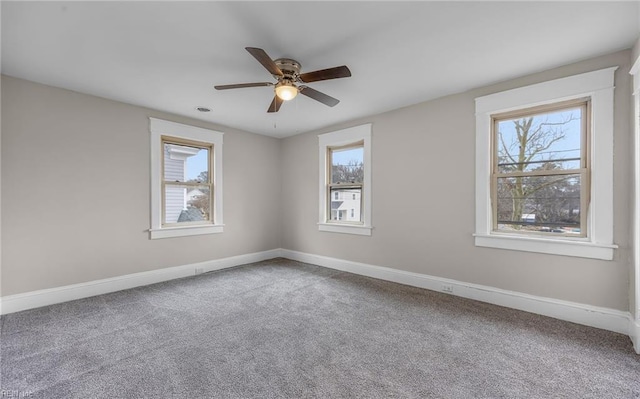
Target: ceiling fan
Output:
[(289, 79)]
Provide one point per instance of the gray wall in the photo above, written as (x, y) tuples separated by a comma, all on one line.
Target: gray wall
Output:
[(71, 214), (429, 147), (75, 191), (635, 50)]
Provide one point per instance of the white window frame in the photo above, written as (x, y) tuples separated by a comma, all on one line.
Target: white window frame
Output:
[(635, 330), (341, 138), (599, 87), (159, 128)]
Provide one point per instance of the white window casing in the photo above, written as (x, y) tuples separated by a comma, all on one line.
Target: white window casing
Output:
[(341, 138), (598, 86), (635, 71), (159, 128)]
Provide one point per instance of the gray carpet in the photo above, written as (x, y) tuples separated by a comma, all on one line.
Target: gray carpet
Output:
[(283, 329)]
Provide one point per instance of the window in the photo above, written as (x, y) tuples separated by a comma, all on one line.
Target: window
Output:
[(345, 181), (540, 174), (544, 167), (346, 175), (186, 180)]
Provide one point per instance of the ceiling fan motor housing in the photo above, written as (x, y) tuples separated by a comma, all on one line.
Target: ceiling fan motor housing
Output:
[(290, 68)]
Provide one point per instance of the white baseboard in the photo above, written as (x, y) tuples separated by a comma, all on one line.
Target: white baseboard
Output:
[(604, 318), (36, 299), (634, 333)]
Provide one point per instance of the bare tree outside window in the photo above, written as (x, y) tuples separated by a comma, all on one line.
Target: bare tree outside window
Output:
[(351, 172), (201, 200)]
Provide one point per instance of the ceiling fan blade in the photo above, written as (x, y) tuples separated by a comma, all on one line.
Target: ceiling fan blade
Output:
[(266, 61), (275, 104), (326, 74), (318, 96), (242, 85)]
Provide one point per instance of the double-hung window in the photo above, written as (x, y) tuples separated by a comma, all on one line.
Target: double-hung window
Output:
[(186, 180), (346, 174), (540, 177), (544, 167), (345, 181)]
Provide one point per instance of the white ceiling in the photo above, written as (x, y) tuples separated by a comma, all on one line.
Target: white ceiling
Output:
[(169, 55)]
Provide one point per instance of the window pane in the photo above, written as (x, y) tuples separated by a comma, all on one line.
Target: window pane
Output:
[(347, 165), (539, 204), (546, 141), (345, 204), (185, 163), (186, 204)]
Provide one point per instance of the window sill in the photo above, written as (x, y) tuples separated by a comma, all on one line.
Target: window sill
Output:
[(345, 228), (169, 232), (581, 249)]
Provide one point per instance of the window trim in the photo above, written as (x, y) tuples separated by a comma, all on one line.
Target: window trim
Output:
[(161, 128), (344, 138), (599, 87)]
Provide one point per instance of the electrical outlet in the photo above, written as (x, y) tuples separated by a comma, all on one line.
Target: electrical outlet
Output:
[(447, 288), (199, 270)]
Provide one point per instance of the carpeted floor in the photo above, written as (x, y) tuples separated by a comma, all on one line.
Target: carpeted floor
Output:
[(283, 329)]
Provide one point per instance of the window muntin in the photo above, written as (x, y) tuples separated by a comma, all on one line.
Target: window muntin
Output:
[(187, 182), (345, 183), (540, 170)]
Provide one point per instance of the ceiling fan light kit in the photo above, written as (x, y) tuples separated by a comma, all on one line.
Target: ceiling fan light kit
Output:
[(286, 90), (287, 73)]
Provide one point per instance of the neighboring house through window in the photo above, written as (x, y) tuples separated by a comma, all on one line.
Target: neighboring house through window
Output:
[(186, 180), (345, 181), (544, 167)]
